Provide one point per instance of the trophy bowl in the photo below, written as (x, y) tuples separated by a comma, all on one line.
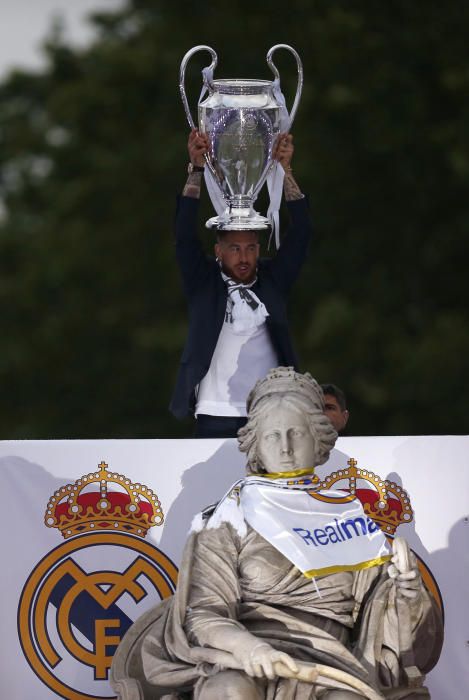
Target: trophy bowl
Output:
[(242, 119)]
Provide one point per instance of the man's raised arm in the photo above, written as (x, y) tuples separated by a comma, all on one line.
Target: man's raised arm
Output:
[(283, 152), (189, 253), (291, 255), (197, 146)]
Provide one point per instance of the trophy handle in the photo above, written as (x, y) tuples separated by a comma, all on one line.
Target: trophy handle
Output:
[(299, 66), (207, 74)]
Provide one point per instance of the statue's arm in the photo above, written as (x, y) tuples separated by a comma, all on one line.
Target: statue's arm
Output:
[(419, 620), (214, 595), (398, 625)]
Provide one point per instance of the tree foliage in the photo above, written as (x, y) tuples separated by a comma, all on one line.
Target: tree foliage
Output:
[(92, 153)]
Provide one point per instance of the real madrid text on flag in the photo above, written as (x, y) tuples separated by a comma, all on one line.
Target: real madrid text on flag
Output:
[(321, 532)]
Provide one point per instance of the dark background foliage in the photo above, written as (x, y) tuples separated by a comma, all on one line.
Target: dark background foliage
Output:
[(93, 151)]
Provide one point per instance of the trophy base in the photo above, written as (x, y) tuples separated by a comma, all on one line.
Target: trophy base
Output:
[(237, 221)]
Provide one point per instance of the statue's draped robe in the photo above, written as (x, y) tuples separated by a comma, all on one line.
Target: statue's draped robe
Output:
[(344, 620)]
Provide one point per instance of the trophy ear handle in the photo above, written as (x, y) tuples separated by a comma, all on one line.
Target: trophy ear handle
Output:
[(207, 74), (299, 66)]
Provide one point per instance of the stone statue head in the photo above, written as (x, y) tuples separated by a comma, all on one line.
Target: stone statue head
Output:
[(287, 429)]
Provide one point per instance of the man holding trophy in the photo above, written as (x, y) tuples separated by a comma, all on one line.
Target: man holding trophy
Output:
[(238, 327), (247, 293)]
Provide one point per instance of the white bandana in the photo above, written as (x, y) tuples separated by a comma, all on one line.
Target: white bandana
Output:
[(244, 309)]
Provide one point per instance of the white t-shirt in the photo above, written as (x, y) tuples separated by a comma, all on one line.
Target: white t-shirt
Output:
[(239, 360)]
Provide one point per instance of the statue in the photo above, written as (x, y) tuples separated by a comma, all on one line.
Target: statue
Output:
[(287, 592)]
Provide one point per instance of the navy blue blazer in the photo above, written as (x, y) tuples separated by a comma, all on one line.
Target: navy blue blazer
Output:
[(206, 295)]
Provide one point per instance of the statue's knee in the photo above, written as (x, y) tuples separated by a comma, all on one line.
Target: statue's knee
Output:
[(230, 685)]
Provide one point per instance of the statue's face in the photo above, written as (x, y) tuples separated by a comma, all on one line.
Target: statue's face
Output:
[(284, 440)]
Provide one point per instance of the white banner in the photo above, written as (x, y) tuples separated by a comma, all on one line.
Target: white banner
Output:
[(93, 532)]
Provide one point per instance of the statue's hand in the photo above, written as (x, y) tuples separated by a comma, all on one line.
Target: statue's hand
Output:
[(404, 570), (258, 660)]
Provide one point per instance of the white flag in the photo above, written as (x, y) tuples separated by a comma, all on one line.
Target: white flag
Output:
[(320, 532)]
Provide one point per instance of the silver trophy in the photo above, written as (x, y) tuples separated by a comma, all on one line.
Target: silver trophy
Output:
[(242, 119)]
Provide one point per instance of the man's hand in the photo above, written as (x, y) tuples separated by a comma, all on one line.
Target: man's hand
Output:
[(283, 150), (197, 146)]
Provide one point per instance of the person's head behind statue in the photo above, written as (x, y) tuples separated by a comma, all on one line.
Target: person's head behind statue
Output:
[(238, 252), (335, 406), (287, 429)]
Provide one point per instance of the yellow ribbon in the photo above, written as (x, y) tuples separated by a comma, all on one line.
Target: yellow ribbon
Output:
[(349, 567), (292, 474)]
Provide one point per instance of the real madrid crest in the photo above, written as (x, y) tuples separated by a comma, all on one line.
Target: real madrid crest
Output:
[(82, 596)]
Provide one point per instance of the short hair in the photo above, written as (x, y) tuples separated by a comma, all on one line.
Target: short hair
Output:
[(318, 423), (337, 393), (221, 234)]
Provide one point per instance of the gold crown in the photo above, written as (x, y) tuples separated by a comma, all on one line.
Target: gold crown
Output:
[(385, 502), (81, 507), (284, 380)]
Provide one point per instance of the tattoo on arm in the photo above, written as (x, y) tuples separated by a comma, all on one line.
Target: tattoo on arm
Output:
[(290, 187), (192, 186)]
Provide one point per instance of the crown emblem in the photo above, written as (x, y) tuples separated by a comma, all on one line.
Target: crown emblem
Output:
[(384, 501), (103, 502)]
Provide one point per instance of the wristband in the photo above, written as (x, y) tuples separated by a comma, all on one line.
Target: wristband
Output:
[(191, 168)]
